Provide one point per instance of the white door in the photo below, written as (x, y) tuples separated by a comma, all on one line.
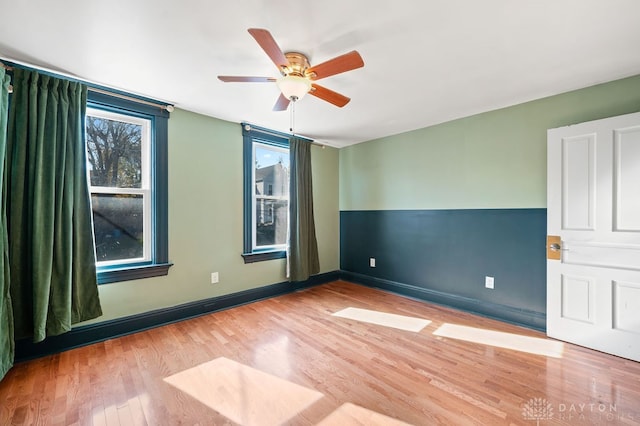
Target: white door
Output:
[(593, 206)]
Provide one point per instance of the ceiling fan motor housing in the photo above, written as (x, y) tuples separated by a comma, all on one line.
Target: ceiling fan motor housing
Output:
[(298, 64)]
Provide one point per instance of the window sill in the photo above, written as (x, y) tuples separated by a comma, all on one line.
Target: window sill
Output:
[(127, 273), (260, 256)]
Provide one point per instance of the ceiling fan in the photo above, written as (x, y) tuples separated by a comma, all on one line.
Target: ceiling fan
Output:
[(297, 75)]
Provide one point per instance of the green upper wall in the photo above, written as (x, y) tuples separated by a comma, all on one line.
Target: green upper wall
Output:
[(205, 221), (491, 160)]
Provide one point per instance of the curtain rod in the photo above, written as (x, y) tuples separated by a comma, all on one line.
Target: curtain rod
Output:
[(169, 108), (92, 86), (279, 134)]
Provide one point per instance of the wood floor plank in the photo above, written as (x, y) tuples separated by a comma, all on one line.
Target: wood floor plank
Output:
[(359, 368)]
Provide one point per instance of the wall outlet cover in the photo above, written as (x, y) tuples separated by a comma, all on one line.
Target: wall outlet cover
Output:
[(488, 282)]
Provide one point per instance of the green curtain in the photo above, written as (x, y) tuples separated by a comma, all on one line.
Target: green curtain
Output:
[(302, 258), (51, 249), (6, 314)]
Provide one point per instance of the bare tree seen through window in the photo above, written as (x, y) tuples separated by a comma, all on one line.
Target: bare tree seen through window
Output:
[(114, 152)]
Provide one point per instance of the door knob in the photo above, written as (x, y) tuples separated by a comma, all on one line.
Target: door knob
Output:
[(554, 247)]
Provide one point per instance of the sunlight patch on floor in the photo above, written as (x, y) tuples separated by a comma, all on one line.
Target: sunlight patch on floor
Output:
[(532, 345), (243, 394), (382, 318), (353, 415)]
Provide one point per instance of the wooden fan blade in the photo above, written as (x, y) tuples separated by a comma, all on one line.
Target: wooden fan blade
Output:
[(281, 104), (347, 62), (241, 79), (270, 47), (329, 95)]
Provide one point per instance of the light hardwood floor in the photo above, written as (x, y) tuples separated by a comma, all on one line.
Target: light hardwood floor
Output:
[(289, 360)]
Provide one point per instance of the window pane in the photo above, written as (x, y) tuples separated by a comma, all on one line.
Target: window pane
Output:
[(271, 221), (118, 226), (271, 172), (271, 195), (114, 151)]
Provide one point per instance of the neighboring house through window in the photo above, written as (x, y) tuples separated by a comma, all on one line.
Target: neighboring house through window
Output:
[(127, 173), (266, 193)]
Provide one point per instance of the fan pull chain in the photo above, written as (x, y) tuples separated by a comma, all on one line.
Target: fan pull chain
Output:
[(292, 117)]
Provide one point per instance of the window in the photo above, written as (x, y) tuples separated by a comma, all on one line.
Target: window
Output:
[(266, 193), (119, 178), (127, 174)]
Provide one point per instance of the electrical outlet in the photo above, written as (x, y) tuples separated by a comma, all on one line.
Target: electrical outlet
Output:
[(372, 262), (214, 278), (488, 282)]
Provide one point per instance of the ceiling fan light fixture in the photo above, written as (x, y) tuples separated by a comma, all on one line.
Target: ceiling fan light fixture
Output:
[(293, 87)]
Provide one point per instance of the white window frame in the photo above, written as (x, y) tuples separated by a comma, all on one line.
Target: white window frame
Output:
[(145, 184)]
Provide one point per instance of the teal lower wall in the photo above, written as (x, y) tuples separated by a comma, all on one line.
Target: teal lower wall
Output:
[(445, 255)]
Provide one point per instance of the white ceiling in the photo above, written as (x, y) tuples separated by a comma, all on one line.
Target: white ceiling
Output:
[(426, 61)]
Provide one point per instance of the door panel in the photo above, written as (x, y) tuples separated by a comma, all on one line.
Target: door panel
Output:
[(578, 182), (626, 169), (621, 256), (626, 305), (577, 298), (593, 206)]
